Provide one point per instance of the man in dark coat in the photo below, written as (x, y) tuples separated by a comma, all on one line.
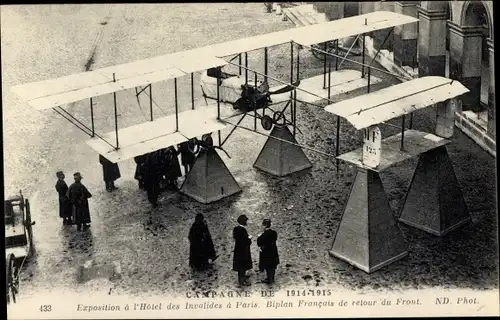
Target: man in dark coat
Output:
[(79, 195), (188, 151), (110, 173), (164, 163), (65, 208), (242, 259), (139, 170), (268, 256), (152, 177), (201, 249)]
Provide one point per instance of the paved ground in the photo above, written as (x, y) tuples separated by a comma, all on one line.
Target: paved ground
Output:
[(151, 248)]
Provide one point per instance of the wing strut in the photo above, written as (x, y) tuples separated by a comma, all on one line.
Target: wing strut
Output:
[(116, 116), (265, 63), (176, 106), (293, 94), (219, 82), (239, 63), (192, 91), (255, 104), (92, 116), (246, 68), (363, 55), (337, 57), (151, 101), (324, 65)]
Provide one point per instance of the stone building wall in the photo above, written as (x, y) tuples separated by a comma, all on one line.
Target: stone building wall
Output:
[(425, 46), (448, 41)]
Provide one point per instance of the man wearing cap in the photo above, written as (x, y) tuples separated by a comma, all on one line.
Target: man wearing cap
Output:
[(79, 195), (242, 259), (110, 173), (171, 168), (65, 208), (268, 256), (188, 151)]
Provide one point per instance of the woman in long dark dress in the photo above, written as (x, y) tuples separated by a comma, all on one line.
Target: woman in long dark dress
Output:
[(201, 249), (65, 208)]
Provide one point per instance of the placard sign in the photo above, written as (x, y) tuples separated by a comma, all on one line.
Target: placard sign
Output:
[(372, 141), (445, 118)]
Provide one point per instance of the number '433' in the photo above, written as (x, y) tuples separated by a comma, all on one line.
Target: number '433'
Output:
[(45, 308)]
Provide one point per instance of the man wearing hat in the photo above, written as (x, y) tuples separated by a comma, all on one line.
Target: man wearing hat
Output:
[(268, 256), (79, 195), (242, 259), (110, 173), (65, 208), (188, 151)]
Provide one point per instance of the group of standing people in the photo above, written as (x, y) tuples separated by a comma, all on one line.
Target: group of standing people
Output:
[(158, 170), (152, 169), (73, 201), (163, 165), (202, 251)]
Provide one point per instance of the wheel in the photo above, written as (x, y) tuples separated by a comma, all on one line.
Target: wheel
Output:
[(12, 279), (266, 122), (29, 223)]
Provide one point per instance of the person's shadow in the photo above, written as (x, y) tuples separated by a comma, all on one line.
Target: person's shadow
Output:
[(205, 278), (81, 250), (80, 243)]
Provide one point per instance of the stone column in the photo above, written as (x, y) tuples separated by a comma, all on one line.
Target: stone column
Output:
[(364, 8), (465, 62), (334, 10), (491, 92), (351, 9), (405, 36), (320, 7), (431, 43), (379, 36)]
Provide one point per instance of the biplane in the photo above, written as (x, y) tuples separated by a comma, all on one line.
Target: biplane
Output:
[(239, 92)]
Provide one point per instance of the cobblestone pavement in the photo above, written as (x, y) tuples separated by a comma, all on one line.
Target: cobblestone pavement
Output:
[(135, 251)]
